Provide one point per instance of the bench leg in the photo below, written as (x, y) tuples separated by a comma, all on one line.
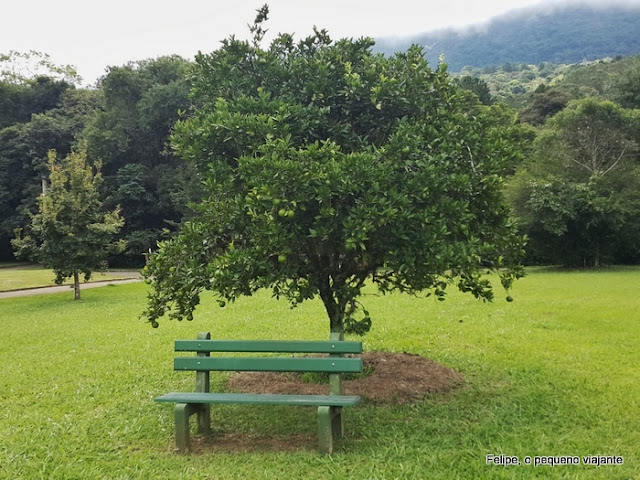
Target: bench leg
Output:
[(182, 413), (204, 419), (336, 422), (329, 427), (325, 434)]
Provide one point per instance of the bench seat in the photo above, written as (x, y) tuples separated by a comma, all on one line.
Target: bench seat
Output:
[(260, 399)]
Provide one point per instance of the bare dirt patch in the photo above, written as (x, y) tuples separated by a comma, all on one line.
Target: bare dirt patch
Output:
[(396, 378)]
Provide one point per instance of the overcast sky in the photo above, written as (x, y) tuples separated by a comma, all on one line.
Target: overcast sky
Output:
[(94, 35)]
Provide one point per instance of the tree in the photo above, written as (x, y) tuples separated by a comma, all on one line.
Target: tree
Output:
[(70, 233), (544, 104), (577, 199), (592, 137), (477, 86), (326, 167)]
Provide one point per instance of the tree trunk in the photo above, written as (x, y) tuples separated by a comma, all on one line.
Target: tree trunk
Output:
[(335, 310), (76, 285)]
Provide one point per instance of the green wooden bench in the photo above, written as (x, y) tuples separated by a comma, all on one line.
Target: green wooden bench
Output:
[(330, 422)]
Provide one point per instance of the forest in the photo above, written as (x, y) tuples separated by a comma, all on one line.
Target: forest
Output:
[(575, 193), (561, 33)]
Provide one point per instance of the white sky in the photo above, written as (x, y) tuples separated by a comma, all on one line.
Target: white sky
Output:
[(94, 35)]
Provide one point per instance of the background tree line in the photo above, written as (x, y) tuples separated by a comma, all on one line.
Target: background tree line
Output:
[(575, 194), (124, 124)]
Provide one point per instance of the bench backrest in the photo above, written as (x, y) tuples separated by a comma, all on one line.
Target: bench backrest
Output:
[(275, 346), (204, 362)]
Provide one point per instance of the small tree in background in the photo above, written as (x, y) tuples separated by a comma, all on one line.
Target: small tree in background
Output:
[(70, 233), (325, 167)]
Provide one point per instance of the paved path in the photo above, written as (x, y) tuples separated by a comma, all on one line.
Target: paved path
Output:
[(134, 277)]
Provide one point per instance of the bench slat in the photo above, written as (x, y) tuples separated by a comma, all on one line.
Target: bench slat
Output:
[(261, 399), (275, 364), (267, 346)]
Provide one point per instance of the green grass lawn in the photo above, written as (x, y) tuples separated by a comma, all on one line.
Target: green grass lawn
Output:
[(556, 372), (36, 276)]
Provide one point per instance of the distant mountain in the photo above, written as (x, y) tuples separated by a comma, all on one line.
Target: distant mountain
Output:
[(562, 34)]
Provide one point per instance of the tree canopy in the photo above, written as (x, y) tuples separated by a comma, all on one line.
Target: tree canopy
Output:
[(326, 166), (129, 135)]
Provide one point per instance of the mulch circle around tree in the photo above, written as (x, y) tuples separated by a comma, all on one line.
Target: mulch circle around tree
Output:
[(395, 378)]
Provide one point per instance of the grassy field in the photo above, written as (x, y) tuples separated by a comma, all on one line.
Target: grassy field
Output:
[(36, 276), (556, 372)]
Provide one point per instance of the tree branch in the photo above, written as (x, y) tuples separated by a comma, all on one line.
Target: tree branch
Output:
[(624, 150)]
